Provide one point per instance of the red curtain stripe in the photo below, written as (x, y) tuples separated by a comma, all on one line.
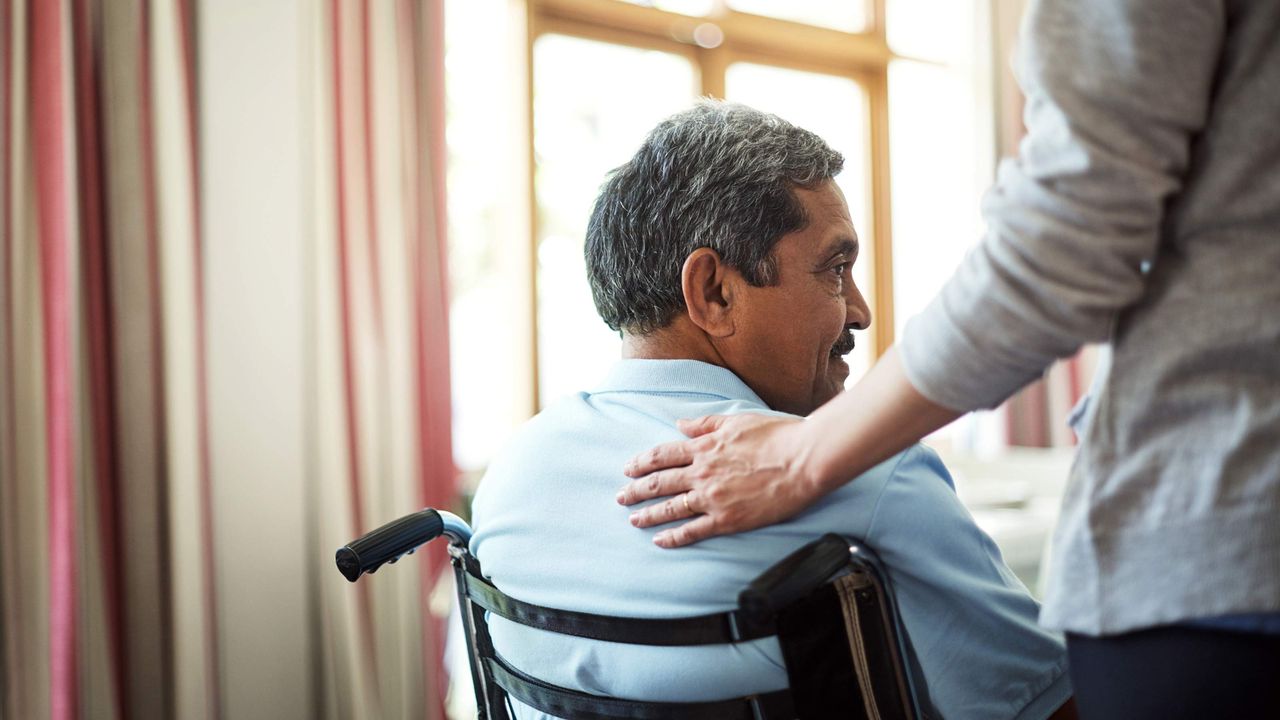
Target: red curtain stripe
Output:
[(370, 161), (48, 109), (364, 610), (14, 694), (438, 472)]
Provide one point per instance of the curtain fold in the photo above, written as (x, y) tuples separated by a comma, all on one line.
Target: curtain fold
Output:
[(381, 339), (115, 582)]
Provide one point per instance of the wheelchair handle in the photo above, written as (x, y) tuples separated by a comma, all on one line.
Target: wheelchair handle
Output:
[(398, 538)]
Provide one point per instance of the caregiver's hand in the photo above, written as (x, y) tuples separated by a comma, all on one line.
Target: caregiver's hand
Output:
[(735, 473), (742, 472)]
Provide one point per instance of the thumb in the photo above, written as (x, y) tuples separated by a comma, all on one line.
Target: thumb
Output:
[(695, 427)]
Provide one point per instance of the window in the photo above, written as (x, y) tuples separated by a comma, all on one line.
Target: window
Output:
[(894, 85)]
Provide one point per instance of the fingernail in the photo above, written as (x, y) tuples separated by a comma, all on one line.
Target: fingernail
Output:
[(635, 519), (661, 539), (621, 498)]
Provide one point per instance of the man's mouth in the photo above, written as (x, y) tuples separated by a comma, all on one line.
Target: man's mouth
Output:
[(844, 344)]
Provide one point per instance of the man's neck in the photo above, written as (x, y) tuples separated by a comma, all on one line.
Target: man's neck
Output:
[(681, 340)]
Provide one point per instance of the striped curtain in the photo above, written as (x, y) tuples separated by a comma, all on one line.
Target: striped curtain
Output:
[(117, 571), (382, 413)]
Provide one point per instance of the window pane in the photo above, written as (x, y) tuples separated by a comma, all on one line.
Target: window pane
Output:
[(486, 396), (847, 15), (940, 30), (578, 137), (939, 171), (835, 109)]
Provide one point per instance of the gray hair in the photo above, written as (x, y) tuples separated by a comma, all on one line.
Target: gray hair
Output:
[(718, 175)]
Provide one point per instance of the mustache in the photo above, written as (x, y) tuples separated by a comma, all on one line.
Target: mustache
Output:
[(844, 344)]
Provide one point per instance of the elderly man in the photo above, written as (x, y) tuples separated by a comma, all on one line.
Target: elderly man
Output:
[(723, 254)]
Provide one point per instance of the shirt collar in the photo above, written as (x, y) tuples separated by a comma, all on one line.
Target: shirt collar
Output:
[(677, 376)]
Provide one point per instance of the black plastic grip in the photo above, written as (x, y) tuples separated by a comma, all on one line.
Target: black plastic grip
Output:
[(388, 543), (795, 576)]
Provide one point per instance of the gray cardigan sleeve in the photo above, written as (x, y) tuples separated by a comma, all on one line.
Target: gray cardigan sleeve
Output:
[(1116, 93)]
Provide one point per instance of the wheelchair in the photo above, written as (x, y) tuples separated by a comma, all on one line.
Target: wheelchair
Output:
[(829, 604)]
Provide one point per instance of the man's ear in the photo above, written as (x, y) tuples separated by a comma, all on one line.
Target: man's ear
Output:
[(708, 288)]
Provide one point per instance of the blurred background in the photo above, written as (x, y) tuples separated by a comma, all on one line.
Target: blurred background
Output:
[(275, 272)]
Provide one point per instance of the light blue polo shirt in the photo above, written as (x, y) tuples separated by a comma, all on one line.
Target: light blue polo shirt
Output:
[(548, 531)]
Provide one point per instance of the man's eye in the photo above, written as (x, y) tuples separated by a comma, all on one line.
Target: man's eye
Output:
[(838, 270)]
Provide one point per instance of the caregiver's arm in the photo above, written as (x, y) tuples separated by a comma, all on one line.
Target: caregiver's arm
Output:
[(778, 466)]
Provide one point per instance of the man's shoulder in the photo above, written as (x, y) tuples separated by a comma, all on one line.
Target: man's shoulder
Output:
[(919, 481), (920, 463), (564, 421), (918, 467), (593, 434), (907, 487)]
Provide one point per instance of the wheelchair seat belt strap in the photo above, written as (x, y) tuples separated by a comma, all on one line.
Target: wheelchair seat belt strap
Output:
[(714, 629), (562, 702)]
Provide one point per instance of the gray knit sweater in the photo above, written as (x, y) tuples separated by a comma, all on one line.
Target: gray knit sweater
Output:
[(1143, 211)]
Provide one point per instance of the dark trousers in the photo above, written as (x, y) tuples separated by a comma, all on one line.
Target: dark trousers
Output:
[(1176, 671)]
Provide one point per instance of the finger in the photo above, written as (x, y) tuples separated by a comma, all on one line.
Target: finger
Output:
[(667, 455), (672, 509), (700, 528), (654, 485), (695, 427)]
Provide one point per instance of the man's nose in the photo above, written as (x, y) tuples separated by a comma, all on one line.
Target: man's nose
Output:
[(857, 313)]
